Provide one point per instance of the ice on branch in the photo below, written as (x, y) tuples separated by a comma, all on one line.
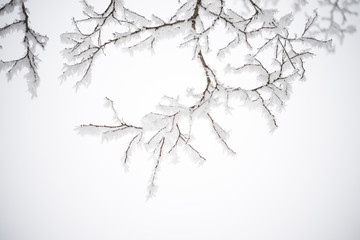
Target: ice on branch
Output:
[(274, 50), (31, 41)]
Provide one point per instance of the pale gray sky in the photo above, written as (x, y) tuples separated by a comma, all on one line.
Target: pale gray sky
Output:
[(300, 182)]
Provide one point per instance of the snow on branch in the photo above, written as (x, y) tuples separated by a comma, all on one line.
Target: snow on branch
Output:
[(31, 40), (277, 53)]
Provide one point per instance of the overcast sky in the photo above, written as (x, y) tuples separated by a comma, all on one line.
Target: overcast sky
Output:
[(300, 182)]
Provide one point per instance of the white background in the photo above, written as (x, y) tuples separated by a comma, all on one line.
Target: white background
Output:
[(300, 182)]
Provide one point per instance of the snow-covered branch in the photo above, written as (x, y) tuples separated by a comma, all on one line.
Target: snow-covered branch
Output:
[(31, 40), (272, 49)]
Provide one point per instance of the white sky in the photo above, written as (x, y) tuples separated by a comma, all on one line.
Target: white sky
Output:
[(301, 182)]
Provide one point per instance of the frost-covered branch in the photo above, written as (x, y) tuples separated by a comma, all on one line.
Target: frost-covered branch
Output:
[(161, 133), (221, 133), (274, 51), (31, 40)]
